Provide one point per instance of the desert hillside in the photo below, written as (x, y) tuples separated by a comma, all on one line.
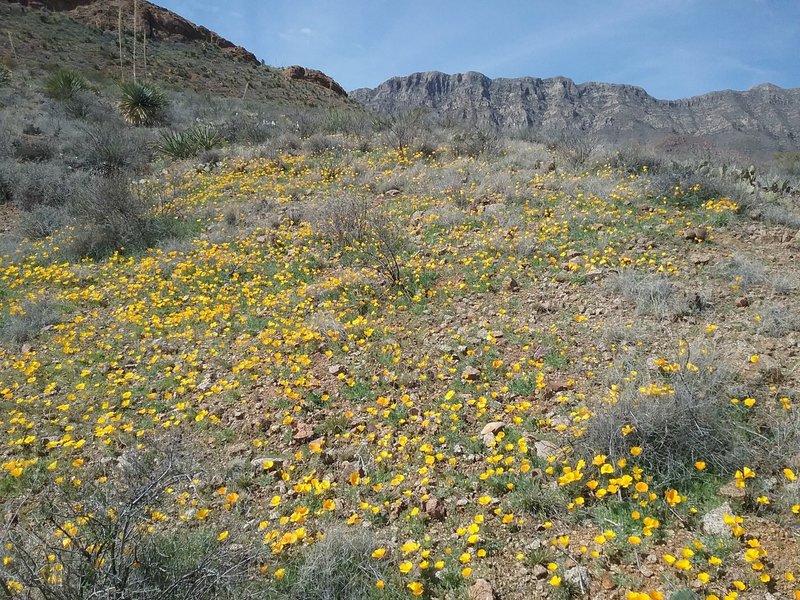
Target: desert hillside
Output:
[(273, 346)]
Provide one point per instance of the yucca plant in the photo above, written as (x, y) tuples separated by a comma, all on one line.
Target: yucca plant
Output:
[(189, 143), (176, 145), (141, 104), (205, 137), (65, 84)]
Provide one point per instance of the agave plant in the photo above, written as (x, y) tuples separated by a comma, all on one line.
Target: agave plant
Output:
[(65, 84), (141, 104)]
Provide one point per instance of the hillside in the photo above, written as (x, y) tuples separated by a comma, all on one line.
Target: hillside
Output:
[(758, 122), (82, 35)]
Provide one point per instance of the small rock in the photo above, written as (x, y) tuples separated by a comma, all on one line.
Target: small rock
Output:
[(489, 430), (701, 259), (481, 590), (237, 449), (545, 449), (713, 521), (492, 427), (435, 509), (743, 302), (607, 583), (303, 431), (578, 577), (732, 491), (512, 285), (696, 234), (594, 274), (540, 572), (337, 370), (471, 374)]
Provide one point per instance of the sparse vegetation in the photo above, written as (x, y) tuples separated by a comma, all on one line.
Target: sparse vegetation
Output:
[(393, 358)]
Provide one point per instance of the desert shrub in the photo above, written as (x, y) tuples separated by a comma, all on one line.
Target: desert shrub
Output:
[(141, 104), (42, 221), (211, 157), (363, 234), (634, 160), (654, 294), (778, 320), (249, 129), (116, 549), (689, 185), (112, 148), (339, 566), (5, 74), (8, 172), (777, 214), (744, 272), (788, 163), (33, 316), (574, 148), (318, 143), (45, 184), (401, 130), (108, 216), (679, 412), (189, 143), (65, 84), (30, 148), (473, 143), (84, 104)]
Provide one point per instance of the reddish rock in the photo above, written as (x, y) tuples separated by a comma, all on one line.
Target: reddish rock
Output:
[(481, 590), (314, 76)]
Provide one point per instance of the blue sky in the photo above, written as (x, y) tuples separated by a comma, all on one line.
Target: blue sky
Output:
[(672, 48)]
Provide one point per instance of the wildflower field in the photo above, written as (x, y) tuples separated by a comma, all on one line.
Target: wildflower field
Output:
[(374, 373)]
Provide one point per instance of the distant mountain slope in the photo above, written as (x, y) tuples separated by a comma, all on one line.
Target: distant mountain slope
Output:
[(42, 35), (763, 119)]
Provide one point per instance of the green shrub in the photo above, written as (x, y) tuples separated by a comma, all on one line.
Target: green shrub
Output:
[(141, 104), (65, 84)]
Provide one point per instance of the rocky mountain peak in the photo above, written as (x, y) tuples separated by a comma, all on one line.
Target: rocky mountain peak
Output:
[(761, 120)]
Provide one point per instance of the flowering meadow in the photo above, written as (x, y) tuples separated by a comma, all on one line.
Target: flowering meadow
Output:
[(403, 373)]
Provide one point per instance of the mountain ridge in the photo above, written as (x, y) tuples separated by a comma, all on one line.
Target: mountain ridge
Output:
[(765, 118)]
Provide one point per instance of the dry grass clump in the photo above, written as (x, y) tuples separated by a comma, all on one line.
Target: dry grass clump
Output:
[(33, 315), (655, 295), (677, 413), (340, 566)]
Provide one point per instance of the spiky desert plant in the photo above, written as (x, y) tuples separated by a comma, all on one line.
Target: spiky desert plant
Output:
[(65, 84), (141, 104), (189, 143)]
